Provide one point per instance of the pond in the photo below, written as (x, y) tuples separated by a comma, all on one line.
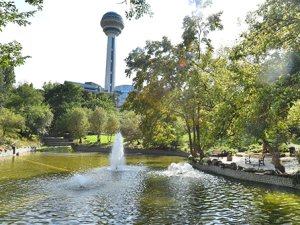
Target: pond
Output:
[(80, 188)]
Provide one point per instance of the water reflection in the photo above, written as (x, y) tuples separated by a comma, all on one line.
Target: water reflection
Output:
[(144, 192)]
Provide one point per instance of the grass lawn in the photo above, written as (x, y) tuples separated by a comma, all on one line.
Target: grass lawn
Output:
[(92, 139), (55, 148)]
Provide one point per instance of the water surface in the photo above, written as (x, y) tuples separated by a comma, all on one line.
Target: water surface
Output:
[(82, 189)]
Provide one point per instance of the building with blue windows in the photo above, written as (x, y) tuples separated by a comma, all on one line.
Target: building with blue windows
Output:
[(89, 86), (122, 93)]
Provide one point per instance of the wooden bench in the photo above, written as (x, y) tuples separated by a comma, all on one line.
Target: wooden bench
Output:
[(261, 161), (247, 160)]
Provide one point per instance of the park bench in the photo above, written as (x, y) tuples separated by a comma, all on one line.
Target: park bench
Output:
[(260, 162), (247, 160)]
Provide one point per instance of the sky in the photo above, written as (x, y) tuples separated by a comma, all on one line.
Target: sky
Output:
[(66, 42)]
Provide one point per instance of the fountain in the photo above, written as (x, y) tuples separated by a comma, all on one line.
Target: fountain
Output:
[(148, 190), (117, 159)]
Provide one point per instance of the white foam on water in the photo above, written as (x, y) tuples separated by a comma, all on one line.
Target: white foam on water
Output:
[(181, 169)]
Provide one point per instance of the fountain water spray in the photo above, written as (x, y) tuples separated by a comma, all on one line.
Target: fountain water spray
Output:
[(117, 159)]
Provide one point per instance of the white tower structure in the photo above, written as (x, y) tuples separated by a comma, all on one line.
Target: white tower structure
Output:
[(112, 24)]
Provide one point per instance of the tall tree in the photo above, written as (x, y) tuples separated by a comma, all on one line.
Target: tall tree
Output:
[(10, 123), (10, 57), (130, 126), (293, 119), (273, 33), (179, 80), (29, 102), (94, 100), (153, 69), (62, 97), (98, 120), (112, 125), (10, 53), (75, 121)]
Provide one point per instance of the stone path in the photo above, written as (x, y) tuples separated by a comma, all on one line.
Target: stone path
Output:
[(290, 163), (18, 150)]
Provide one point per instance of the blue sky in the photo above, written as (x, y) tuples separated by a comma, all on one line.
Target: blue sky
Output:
[(66, 42)]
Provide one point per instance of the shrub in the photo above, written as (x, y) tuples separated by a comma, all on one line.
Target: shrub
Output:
[(283, 148), (256, 148), (243, 149), (222, 149)]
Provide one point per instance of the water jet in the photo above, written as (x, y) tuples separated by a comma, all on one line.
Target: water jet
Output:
[(117, 159)]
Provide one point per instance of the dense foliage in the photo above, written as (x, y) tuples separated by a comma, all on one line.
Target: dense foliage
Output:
[(242, 96), (239, 96)]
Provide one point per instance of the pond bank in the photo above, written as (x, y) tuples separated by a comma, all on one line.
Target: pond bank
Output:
[(18, 151), (130, 151), (248, 176)]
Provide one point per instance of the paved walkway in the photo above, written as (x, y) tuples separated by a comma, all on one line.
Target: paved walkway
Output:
[(290, 163), (9, 152)]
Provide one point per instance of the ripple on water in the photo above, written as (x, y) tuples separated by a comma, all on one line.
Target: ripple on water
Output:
[(139, 195)]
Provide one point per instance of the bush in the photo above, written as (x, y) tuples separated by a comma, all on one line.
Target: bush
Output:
[(222, 149), (255, 148), (283, 148), (242, 149)]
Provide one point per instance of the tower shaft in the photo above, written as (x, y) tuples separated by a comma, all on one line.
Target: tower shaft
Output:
[(110, 63)]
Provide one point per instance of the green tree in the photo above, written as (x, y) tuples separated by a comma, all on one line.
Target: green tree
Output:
[(75, 121), (9, 13), (29, 102), (61, 98), (130, 126), (293, 119), (94, 100), (112, 125), (10, 57), (10, 122), (10, 53), (274, 25), (178, 81), (97, 121), (39, 119), (137, 9), (272, 42)]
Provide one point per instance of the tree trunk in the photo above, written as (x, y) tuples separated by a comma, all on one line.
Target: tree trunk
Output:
[(275, 155), (80, 140), (198, 146), (98, 138), (194, 139), (277, 164), (190, 137)]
